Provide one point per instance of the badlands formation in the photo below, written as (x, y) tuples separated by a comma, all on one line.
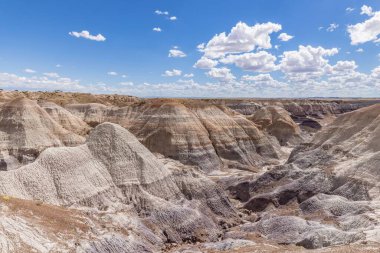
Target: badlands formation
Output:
[(110, 173)]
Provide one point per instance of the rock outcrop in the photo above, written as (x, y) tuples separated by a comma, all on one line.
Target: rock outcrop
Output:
[(66, 119), (295, 230), (208, 136), (333, 179), (26, 129), (63, 98), (94, 113), (320, 108), (244, 107), (177, 132), (114, 170), (350, 148), (277, 122)]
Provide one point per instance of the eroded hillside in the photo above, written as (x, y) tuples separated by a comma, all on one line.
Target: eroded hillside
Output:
[(110, 173)]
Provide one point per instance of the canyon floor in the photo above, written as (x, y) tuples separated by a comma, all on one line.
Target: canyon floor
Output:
[(112, 173)]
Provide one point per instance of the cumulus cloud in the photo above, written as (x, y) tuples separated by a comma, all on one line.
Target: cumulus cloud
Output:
[(242, 38), (376, 73), (285, 37), (366, 31), (351, 83), (157, 29), (29, 71), (12, 81), (349, 9), (258, 78), (86, 35), (263, 81), (52, 75), (342, 68), (332, 27), (217, 88), (205, 63), (307, 60), (261, 61), (360, 50), (366, 10), (201, 46), (165, 13), (173, 72), (223, 74), (188, 75), (176, 53), (178, 88), (126, 83), (112, 73), (158, 12)]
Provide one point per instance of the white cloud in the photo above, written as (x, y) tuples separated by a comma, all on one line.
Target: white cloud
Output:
[(166, 13), (376, 73), (112, 73), (349, 81), (124, 76), (360, 50), (52, 75), (157, 29), (241, 39), (126, 83), (343, 68), (176, 53), (258, 78), (174, 72), (261, 61), (367, 10), (205, 63), (178, 88), (12, 81), (58, 65), (308, 61), (366, 31), (87, 35), (29, 71), (345, 82), (264, 81), (200, 47), (285, 37), (158, 12), (188, 75), (332, 27), (349, 9), (223, 74)]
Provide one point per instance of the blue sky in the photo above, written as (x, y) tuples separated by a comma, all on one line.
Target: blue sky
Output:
[(327, 47)]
